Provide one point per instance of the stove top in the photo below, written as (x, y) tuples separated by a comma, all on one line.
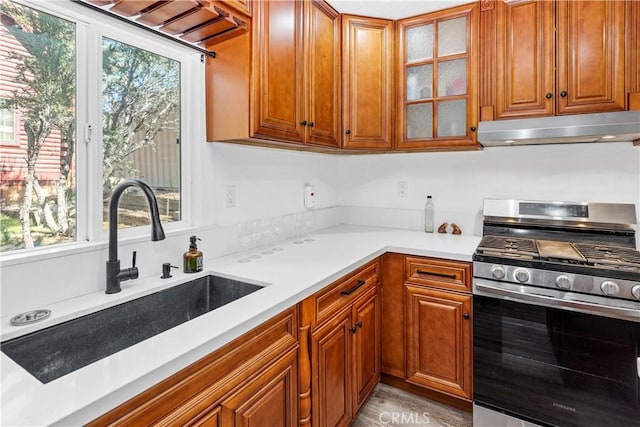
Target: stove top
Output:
[(563, 250), (595, 256)]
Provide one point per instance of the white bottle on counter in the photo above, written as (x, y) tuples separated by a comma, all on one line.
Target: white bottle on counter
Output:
[(428, 215)]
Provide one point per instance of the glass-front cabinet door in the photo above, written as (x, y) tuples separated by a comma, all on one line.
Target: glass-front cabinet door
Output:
[(438, 80)]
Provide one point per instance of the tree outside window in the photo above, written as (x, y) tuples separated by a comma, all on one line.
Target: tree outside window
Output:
[(141, 95)]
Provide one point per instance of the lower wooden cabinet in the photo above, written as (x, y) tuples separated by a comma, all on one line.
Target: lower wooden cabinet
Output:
[(438, 333), (427, 329), (267, 400), (344, 359), (251, 381)]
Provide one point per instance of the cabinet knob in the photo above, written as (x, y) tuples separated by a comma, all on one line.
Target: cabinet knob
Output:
[(348, 132), (353, 330), (466, 316), (473, 128), (563, 93), (359, 324), (303, 123), (311, 124), (549, 95)]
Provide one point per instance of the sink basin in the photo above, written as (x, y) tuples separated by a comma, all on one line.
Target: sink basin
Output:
[(56, 351)]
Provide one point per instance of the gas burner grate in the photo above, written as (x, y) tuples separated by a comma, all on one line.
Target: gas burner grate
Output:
[(610, 256), (507, 246)]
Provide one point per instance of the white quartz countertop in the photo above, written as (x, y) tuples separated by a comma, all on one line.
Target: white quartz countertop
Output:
[(290, 275)]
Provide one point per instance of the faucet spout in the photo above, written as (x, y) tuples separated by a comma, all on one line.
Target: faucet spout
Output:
[(114, 274)]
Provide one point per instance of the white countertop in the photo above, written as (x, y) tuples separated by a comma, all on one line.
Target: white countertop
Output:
[(291, 275)]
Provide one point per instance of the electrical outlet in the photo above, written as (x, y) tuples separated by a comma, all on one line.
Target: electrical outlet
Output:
[(230, 196), (403, 189)]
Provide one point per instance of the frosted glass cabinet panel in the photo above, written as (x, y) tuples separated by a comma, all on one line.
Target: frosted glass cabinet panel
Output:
[(452, 77), (437, 73), (452, 36), (420, 43), (419, 82), (452, 118), (420, 120)]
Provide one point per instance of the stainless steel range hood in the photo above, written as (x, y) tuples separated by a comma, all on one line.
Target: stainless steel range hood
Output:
[(598, 127)]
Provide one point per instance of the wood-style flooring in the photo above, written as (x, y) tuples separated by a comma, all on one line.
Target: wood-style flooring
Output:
[(389, 406)]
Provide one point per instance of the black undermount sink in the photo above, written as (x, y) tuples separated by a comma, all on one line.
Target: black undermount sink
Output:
[(56, 351)]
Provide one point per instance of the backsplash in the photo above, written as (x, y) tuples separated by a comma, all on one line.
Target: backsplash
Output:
[(350, 189), (459, 181)]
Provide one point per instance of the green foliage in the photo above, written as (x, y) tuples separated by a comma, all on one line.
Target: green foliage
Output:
[(47, 73), (141, 95)]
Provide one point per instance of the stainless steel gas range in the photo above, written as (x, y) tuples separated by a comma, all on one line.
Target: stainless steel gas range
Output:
[(557, 315)]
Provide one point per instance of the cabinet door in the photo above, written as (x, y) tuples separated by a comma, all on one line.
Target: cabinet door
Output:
[(438, 340), (270, 399), (278, 63), (524, 72), (367, 82), (322, 112), (437, 76), (366, 348), (591, 59), (210, 419), (331, 371)]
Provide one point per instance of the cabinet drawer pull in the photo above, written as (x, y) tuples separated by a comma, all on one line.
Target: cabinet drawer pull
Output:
[(466, 316), (432, 273), (549, 95), (563, 93), (348, 132), (303, 123), (355, 288)]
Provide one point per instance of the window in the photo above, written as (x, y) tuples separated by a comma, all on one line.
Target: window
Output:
[(140, 129), (38, 185), (7, 123), (133, 121)]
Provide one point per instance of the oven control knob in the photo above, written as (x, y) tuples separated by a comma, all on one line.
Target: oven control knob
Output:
[(635, 291), (498, 272), (609, 288), (521, 275), (563, 282)]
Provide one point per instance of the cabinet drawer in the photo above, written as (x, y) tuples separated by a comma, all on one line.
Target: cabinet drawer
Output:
[(345, 291), (440, 273)]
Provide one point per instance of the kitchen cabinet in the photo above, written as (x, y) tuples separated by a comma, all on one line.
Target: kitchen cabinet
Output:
[(342, 326), (437, 80), (250, 381), (589, 42), (438, 340), (368, 47), (285, 77), (427, 329)]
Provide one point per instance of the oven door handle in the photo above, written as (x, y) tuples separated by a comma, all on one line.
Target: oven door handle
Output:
[(553, 300)]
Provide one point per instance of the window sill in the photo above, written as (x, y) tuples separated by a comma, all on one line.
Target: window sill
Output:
[(24, 256)]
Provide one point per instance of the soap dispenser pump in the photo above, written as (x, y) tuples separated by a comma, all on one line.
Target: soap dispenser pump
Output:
[(193, 258)]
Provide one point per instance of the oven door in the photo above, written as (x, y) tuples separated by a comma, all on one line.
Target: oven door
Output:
[(551, 365)]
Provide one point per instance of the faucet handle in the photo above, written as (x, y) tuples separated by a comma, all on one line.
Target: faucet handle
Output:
[(133, 262)]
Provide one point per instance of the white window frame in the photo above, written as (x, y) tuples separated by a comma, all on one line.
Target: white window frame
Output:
[(91, 26)]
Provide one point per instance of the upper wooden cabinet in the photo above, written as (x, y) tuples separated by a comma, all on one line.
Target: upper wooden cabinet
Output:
[(368, 83), (297, 59), (437, 80), (522, 40), (283, 83)]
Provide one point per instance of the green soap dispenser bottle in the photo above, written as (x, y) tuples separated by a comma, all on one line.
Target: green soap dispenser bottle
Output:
[(193, 258)]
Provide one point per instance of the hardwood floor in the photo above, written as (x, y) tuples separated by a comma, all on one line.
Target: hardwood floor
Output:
[(390, 406)]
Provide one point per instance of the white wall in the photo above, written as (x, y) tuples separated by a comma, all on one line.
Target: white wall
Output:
[(351, 189), (270, 182), (459, 181)]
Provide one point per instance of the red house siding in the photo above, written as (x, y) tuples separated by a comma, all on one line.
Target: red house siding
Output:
[(13, 154)]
